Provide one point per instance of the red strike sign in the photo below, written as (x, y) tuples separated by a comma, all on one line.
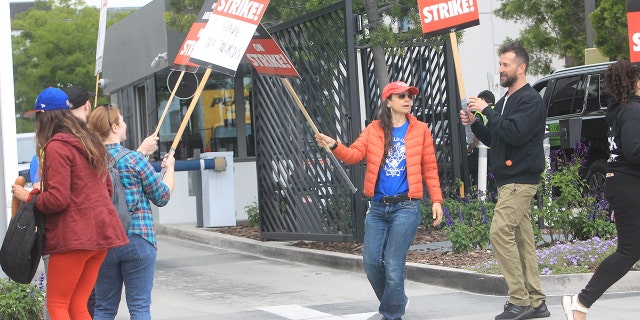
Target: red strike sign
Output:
[(181, 62), (633, 19), (444, 16), (268, 59)]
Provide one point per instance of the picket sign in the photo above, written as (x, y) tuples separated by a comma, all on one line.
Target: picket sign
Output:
[(226, 36), (102, 28), (448, 16), (181, 61), (229, 30)]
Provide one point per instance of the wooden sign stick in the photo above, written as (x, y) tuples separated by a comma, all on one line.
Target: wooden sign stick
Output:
[(456, 63), (166, 107), (95, 97), (295, 97), (463, 94), (185, 120)]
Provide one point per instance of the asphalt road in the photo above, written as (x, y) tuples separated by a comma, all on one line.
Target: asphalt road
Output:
[(198, 282)]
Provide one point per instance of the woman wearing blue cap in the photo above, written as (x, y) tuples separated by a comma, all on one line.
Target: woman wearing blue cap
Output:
[(75, 196)]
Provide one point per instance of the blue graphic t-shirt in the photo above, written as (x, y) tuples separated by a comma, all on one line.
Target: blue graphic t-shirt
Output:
[(392, 179)]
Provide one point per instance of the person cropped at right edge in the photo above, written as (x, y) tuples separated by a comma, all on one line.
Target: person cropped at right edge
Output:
[(514, 133), (622, 83)]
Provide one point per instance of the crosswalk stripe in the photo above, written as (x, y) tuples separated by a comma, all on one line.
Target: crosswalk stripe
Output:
[(295, 312)]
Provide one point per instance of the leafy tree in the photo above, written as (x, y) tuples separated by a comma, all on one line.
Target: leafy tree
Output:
[(553, 28), (55, 45), (556, 28), (609, 22)]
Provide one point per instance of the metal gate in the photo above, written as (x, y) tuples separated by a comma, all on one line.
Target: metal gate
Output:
[(301, 194), (432, 72)]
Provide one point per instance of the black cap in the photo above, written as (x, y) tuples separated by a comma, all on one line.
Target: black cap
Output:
[(78, 96)]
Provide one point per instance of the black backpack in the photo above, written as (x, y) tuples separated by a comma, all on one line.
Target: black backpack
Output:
[(118, 198), (23, 243)]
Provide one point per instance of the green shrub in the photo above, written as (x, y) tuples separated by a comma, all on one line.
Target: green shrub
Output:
[(21, 301), (253, 214), (564, 205), (592, 221), (467, 222)]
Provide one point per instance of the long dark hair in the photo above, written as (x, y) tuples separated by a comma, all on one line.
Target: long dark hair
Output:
[(386, 122), (56, 121), (620, 80)]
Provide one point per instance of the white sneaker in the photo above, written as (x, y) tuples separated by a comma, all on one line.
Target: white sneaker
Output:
[(570, 304)]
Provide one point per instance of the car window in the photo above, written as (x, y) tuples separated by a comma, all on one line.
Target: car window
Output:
[(568, 96), (541, 87), (596, 98)]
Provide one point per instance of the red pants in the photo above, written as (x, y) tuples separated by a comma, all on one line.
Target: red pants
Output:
[(70, 279)]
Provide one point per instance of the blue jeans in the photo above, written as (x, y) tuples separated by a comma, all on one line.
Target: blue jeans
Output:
[(132, 265), (389, 230)]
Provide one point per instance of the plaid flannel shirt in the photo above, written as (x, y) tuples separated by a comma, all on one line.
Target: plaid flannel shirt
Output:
[(142, 184)]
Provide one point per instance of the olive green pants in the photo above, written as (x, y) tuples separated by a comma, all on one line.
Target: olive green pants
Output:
[(514, 245)]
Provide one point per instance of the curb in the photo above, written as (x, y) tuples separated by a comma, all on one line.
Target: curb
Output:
[(464, 280)]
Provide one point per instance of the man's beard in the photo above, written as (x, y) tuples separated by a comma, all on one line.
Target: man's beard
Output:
[(510, 80)]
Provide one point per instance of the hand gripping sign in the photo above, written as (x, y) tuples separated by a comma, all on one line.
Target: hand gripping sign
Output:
[(268, 59), (633, 21)]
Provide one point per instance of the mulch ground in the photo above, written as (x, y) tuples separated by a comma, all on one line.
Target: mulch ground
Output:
[(441, 258)]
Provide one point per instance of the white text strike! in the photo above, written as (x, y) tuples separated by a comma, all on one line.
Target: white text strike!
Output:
[(244, 8), (636, 41), (269, 60), (447, 10), (187, 47)]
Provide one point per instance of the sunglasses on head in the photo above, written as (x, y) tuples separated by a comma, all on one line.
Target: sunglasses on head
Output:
[(404, 95), (108, 107)]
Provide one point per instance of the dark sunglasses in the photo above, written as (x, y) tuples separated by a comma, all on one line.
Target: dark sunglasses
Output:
[(404, 95)]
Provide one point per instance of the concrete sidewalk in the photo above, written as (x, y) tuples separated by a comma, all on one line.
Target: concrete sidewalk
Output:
[(440, 276)]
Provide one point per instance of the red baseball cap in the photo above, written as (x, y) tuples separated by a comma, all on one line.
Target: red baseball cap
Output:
[(398, 87)]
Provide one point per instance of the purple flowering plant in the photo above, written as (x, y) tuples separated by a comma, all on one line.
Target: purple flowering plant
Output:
[(566, 258), (578, 233), (467, 220), (565, 208)]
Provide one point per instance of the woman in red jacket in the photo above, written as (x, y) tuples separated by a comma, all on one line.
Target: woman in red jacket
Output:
[(80, 221), (399, 156)]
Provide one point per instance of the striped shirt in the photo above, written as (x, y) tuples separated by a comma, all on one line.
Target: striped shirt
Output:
[(142, 184)]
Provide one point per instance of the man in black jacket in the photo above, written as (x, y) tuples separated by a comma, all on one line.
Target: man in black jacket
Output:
[(514, 132)]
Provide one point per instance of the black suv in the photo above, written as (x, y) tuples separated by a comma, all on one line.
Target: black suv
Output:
[(575, 94)]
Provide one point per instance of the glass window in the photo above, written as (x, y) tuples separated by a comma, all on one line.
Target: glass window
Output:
[(567, 97), (215, 122), (596, 98)]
